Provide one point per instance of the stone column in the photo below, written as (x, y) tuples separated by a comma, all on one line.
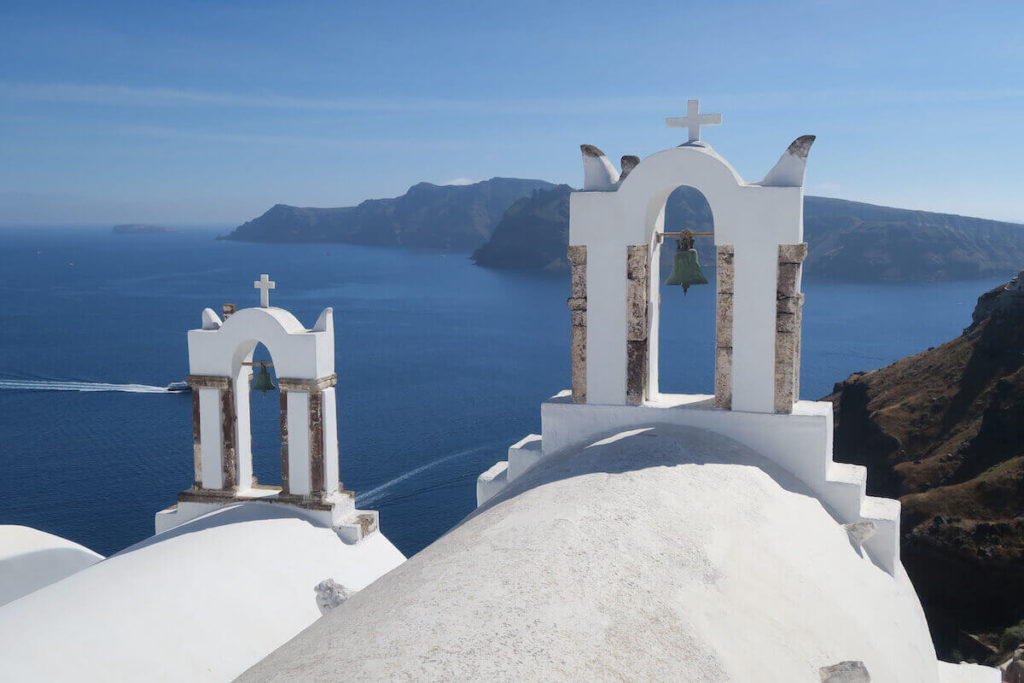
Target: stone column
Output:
[(638, 258), (213, 432), (197, 444), (316, 443), (726, 276), (788, 321), (228, 419), (303, 437), (284, 439), (578, 320)]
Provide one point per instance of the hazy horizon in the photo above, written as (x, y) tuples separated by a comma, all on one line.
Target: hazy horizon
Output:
[(227, 226)]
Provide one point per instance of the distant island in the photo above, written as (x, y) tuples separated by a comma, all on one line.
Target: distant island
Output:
[(460, 217), (140, 229), (523, 224)]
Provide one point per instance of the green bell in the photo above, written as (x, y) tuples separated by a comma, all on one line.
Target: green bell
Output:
[(686, 269), (262, 381)]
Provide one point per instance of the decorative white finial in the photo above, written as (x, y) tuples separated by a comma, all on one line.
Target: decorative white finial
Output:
[(693, 120), (264, 284)]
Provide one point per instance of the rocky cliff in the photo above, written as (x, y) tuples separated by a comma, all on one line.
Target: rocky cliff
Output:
[(849, 241), (440, 216), (534, 232), (524, 224), (943, 431)]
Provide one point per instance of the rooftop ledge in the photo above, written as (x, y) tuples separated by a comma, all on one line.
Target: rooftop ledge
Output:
[(799, 442), (696, 402)]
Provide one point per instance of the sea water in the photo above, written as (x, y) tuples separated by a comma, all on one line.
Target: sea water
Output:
[(441, 365)]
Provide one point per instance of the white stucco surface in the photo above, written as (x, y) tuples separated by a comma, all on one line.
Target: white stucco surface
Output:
[(31, 559), (664, 554), (201, 602), (967, 673), (298, 353), (799, 442), (210, 436)]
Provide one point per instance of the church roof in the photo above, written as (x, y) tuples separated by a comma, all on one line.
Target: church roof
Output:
[(202, 601), (31, 559), (666, 553)]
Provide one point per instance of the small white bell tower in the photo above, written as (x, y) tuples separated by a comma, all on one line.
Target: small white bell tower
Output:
[(220, 355)]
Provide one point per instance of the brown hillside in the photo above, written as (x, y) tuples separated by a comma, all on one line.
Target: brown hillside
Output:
[(943, 431)]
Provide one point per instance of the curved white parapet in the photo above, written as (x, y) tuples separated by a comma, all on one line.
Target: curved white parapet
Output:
[(31, 559), (297, 352)]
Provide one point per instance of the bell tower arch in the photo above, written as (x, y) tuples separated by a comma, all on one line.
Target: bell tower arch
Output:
[(615, 225), (679, 248), (220, 366)]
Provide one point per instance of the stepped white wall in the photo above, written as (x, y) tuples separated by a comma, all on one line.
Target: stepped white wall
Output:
[(800, 443)]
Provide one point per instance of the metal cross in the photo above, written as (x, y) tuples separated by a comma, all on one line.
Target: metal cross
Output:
[(693, 120), (264, 284)]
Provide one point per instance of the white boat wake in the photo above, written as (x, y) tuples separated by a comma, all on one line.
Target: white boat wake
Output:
[(373, 496), (61, 385)]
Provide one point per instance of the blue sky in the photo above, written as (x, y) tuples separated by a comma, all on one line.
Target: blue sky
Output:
[(211, 112)]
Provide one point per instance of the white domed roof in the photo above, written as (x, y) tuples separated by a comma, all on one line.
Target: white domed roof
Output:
[(31, 559), (202, 601), (659, 554)]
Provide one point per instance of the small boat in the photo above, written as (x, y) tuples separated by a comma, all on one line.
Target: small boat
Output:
[(176, 387)]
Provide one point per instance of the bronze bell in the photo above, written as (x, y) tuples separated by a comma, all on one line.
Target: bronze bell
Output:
[(686, 268), (262, 380)]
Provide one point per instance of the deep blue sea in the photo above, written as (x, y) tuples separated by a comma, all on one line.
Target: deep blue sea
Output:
[(441, 365)]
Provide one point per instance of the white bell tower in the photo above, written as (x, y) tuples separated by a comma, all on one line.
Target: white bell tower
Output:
[(220, 355), (616, 229)]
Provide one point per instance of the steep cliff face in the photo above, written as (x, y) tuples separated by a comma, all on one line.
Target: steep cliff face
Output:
[(943, 431), (850, 241), (858, 242), (438, 216), (532, 234)]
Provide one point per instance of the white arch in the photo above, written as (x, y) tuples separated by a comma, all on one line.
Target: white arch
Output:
[(656, 216), (298, 353), (741, 211), (754, 218)]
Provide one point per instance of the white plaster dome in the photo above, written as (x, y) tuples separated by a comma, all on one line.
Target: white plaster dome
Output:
[(666, 553), (31, 559), (201, 602)]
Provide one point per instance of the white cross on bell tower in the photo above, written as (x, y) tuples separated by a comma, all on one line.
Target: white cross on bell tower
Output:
[(264, 284), (693, 120)]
